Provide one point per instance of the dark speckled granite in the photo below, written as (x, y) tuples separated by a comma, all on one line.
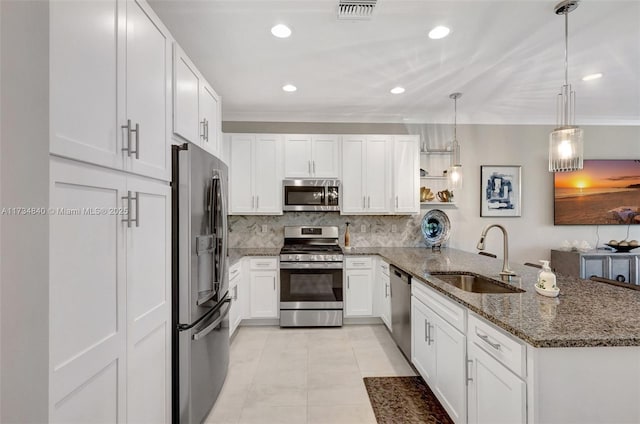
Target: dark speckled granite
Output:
[(585, 314), (236, 254)]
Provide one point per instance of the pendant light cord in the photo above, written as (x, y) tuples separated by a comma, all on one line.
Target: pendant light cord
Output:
[(566, 47)]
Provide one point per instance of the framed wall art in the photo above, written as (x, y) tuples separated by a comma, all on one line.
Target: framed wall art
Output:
[(500, 191)]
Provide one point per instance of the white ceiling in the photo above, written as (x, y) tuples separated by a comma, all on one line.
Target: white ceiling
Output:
[(506, 57)]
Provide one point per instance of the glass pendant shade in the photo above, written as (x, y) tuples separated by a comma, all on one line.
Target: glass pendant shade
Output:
[(565, 149), (566, 141), (454, 174)]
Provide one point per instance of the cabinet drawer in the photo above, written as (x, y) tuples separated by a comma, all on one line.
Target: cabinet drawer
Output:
[(234, 271), (384, 268), (263, 263), (502, 346), (358, 263), (448, 310)]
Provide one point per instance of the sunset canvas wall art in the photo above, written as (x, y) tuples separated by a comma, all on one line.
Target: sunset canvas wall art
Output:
[(603, 192)]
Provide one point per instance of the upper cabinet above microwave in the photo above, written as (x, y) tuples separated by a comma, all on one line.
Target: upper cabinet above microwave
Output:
[(311, 156)]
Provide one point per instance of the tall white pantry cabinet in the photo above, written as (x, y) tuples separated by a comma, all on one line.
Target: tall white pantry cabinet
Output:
[(110, 276)]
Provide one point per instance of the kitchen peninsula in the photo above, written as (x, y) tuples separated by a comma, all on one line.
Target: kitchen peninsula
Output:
[(586, 342)]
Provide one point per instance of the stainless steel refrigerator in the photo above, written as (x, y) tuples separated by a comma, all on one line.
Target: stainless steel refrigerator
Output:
[(200, 284)]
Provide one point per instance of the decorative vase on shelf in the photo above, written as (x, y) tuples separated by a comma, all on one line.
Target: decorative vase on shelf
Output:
[(347, 238)]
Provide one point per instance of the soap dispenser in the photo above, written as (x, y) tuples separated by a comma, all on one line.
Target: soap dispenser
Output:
[(546, 277), (347, 238)]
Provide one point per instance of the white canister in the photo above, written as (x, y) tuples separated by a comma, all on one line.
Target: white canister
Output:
[(546, 277)]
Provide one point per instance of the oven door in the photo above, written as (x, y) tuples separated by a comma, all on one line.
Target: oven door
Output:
[(311, 285)]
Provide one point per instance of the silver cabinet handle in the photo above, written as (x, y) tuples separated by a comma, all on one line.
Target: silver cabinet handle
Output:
[(369, 202), (309, 166), (348, 278), (396, 201), (235, 293), (386, 290), (253, 202), (364, 202), (469, 364), (314, 167), (485, 339), (263, 264), (206, 129), (426, 331), (430, 338), (274, 284), (203, 135), (257, 202), (358, 263), (129, 198), (130, 130)]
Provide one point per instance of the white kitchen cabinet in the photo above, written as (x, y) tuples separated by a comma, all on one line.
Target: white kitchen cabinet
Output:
[(384, 294), (236, 310), (210, 117), (110, 85), (438, 351), (256, 174), (110, 336), (366, 172), (196, 106), (264, 290), (406, 174), (496, 395), (358, 285), (311, 156)]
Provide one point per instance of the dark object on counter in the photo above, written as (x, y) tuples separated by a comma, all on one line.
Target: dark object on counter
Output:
[(622, 249), (423, 173), (614, 283), (491, 255), (533, 265)]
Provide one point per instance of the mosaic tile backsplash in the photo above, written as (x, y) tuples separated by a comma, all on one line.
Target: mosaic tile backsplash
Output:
[(392, 231)]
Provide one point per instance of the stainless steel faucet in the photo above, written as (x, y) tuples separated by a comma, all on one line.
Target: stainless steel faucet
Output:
[(506, 273)]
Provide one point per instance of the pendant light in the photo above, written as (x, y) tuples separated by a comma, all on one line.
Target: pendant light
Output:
[(455, 170), (565, 142)]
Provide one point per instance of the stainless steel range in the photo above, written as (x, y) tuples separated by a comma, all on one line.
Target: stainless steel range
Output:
[(311, 278)]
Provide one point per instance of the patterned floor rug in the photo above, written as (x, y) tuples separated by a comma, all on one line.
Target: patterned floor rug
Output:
[(404, 400)]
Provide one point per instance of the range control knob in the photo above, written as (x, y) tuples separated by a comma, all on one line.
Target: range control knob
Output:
[(297, 257)]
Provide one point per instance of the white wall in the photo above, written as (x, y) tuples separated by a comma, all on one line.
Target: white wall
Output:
[(24, 181), (532, 235)]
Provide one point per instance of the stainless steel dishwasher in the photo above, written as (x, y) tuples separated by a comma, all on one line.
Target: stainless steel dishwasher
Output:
[(401, 310)]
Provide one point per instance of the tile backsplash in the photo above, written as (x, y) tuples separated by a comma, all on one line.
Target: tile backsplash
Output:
[(380, 230)]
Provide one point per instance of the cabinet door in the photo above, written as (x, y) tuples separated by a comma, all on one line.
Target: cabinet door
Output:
[(594, 265), (353, 172), (423, 352), (267, 174), (406, 175), (84, 46), (495, 394), (264, 294), (297, 156), (378, 181), (359, 293), (186, 90), (147, 81), (149, 302), (87, 335), (324, 156), (241, 171), (235, 309), (450, 351), (210, 119)]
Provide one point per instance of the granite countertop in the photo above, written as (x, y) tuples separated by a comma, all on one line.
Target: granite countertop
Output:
[(585, 314), (238, 253)]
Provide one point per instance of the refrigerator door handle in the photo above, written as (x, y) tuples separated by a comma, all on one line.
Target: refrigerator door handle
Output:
[(209, 328)]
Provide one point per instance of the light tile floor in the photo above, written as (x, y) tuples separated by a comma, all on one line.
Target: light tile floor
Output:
[(310, 376)]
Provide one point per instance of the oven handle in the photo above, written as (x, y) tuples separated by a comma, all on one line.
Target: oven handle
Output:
[(310, 265)]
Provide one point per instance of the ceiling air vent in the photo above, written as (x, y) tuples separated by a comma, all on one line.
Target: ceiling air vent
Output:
[(356, 9)]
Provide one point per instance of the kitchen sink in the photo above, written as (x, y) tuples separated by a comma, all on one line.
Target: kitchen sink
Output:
[(475, 283)]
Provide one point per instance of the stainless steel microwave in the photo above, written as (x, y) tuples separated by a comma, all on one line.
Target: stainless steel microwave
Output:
[(311, 195)]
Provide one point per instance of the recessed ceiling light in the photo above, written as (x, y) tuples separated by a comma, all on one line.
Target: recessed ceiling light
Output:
[(592, 77), (281, 31), (290, 88), (397, 90), (439, 32)]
